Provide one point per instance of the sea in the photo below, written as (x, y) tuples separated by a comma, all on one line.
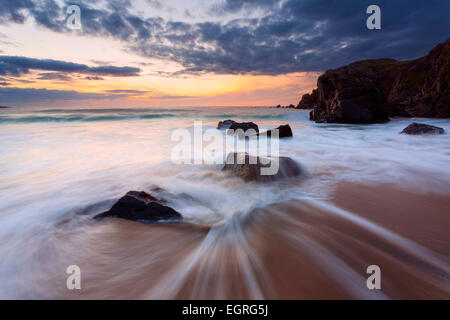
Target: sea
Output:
[(60, 166)]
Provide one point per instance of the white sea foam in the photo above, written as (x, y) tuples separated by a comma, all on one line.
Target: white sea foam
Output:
[(52, 169)]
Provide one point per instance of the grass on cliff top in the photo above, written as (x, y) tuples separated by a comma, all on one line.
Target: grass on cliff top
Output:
[(387, 63), (412, 80)]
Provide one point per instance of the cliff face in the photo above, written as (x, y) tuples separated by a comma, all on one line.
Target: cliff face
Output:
[(373, 90)]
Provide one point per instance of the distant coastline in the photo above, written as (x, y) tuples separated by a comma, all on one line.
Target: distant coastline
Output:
[(3, 107)]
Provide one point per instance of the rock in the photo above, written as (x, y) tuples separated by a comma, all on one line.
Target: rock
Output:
[(291, 106), (371, 91), (142, 207), (309, 101), (419, 128), (245, 126), (233, 125), (225, 124), (350, 95), (283, 132), (252, 168)]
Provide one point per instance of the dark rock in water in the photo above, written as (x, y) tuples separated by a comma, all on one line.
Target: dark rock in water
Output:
[(225, 124), (371, 91), (142, 207), (3, 107), (309, 101), (291, 106), (251, 168), (283, 132), (419, 128), (244, 126), (241, 128)]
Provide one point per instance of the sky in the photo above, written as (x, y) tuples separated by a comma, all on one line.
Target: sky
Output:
[(155, 53)]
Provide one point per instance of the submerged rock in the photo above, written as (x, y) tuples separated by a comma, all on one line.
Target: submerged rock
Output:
[(252, 168), (142, 207), (420, 128)]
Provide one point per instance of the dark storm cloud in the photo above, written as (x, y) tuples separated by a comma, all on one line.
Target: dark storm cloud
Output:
[(306, 35), (14, 11), (16, 66), (115, 21), (27, 95), (54, 76), (93, 78), (127, 91), (289, 36), (236, 5)]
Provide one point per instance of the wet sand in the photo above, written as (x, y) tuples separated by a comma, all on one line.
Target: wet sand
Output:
[(422, 217), (295, 250)]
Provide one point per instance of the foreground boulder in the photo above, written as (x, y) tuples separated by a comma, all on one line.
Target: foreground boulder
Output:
[(419, 128), (142, 207), (252, 168), (371, 91), (283, 132)]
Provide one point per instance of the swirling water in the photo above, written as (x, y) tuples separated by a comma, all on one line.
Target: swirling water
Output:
[(59, 167)]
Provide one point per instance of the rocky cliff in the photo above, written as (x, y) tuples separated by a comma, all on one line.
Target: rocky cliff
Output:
[(371, 91), (309, 101)]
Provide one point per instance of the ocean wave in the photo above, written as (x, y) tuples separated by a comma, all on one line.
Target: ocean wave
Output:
[(124, 117), (33, 119), (250, 116)]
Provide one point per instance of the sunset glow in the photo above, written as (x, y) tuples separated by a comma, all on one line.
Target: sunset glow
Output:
[(156, 84)]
